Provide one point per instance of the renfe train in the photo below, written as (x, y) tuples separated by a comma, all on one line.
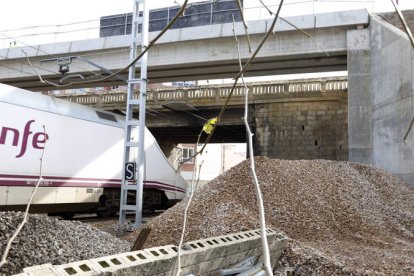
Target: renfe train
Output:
[(82, 162)]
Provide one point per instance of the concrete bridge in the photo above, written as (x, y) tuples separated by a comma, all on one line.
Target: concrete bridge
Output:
[(204, 52), (309, 116), (378, 57)]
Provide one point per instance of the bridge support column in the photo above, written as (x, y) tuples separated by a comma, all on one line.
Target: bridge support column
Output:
[(359, 96), (381, 98)]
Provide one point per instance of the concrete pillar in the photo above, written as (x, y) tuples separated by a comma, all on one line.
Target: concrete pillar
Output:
[(359, 96), (393, 99), (381, 98)]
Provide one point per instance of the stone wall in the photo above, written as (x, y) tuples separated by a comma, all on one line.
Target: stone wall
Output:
[(308, 126)]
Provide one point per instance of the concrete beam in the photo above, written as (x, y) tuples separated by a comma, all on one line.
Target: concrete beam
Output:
[(203, 52)]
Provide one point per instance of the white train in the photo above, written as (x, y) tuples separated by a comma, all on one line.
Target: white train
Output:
[(82, 161)]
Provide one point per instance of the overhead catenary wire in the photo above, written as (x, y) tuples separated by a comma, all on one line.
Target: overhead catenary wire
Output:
[(150, 44), (46, 53), (245, 67), (52, 33), (297, 28), (21, 69), (49, 25)]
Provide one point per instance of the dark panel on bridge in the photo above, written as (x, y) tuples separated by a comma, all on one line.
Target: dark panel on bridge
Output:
[(196, 14)]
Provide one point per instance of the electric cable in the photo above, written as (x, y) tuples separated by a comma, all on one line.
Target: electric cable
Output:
[(51, 33), (49, 26), (245, 67), (146, 48), (40, 50), (297, 28), (21, 70)]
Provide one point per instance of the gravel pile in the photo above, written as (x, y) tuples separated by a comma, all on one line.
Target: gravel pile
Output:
[(342, 218), (46, 240)]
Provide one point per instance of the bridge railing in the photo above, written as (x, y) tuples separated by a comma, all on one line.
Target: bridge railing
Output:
[(213, 93)]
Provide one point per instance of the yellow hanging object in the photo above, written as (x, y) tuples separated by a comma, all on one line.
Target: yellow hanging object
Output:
[(209, 126)]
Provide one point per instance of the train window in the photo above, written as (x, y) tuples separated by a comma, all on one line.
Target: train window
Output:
[(106, 116)]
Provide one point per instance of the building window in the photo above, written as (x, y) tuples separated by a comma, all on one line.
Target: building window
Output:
[(186, 153)]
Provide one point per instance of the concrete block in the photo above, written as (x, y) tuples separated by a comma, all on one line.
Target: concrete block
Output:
[(162, 252), (83, 268), (205, 257), (108, 263), (41, 270)]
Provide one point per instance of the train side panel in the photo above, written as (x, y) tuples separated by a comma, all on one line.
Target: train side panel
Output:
[(83, 153)]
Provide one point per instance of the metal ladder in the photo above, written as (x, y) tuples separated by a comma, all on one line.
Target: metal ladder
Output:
[(134, 159)]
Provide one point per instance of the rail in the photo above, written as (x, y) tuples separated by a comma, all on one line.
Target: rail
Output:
[(212, 94)]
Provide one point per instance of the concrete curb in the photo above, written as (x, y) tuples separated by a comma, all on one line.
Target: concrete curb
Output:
[(203, 257)]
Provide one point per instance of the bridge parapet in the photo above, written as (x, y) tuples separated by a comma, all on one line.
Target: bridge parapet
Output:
[(212, 94)]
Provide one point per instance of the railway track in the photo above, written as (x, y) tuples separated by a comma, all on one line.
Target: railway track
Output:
[(94, 218), (110, 224)]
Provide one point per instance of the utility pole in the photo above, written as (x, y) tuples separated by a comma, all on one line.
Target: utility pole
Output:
[(133, 172)]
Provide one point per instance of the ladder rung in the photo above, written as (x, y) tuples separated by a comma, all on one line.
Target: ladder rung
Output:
[(132, 123), (129, 207), (134, 81), (128, 187), (133, 102), (139, 20), (131, 144)]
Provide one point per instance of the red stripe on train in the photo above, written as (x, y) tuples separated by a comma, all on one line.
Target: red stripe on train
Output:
[(79, 184)]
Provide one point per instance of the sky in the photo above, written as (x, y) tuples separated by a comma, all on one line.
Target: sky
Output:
[(21, 13)]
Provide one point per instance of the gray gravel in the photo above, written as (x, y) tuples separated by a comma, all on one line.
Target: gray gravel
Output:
[(343, 218), (48, 240)]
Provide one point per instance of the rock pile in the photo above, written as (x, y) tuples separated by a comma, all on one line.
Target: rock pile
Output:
[(46, 240), (342, 218)]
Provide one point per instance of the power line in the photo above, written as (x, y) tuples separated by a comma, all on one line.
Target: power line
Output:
[(42, 51), (49, 26), (151, 43)]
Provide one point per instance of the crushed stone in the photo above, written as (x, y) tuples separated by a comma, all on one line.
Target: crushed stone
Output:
[(48, 240), (342, 218)]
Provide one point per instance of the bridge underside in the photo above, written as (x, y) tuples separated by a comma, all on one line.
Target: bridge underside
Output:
[(184, 126), (189, 135), (305, 63)]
